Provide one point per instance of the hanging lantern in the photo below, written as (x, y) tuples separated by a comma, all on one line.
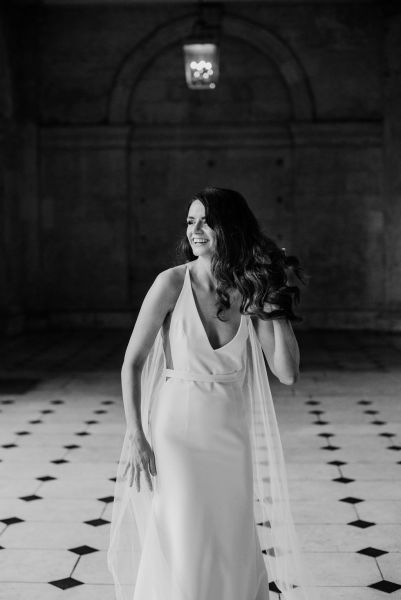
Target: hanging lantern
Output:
[(201, 65), (201, 55)]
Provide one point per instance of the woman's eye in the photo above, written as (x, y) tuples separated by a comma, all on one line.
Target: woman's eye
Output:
[(191, 222)]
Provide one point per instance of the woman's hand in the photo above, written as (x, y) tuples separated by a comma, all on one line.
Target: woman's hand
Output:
[(141, 458), (268, 307)]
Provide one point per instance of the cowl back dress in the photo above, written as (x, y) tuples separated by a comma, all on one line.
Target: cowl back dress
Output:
[(220, 494)]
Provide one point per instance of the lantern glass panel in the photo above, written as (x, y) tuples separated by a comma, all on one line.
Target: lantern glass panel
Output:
[(201, 65)]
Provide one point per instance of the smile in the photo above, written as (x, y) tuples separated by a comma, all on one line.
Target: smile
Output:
[(199, 240)]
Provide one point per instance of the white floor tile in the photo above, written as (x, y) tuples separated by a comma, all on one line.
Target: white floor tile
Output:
[(34, 565)]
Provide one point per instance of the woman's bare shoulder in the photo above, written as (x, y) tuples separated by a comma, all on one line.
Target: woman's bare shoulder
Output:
[(171, 281), (173, 276)]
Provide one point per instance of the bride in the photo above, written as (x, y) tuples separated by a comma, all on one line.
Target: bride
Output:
[(201, 508)]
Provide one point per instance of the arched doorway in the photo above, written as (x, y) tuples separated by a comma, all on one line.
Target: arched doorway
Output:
[(236, 136)]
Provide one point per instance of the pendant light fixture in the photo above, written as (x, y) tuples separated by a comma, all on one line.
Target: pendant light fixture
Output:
[(201, 49)]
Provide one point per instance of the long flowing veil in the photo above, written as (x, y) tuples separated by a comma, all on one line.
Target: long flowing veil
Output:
[(130, 526), (287, 570), (132, 529)]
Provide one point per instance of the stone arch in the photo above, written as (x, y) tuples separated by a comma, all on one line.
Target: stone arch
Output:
[(175, 32)]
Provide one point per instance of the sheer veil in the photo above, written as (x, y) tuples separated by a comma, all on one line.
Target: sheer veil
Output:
[(132, 529), (287, 570)]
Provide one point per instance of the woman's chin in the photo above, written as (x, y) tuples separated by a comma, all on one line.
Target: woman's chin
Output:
[(200, 251)]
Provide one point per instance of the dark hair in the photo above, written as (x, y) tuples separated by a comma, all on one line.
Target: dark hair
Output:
[(245, 258)]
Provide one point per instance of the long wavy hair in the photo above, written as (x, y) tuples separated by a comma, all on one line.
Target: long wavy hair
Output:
[(245, 259)]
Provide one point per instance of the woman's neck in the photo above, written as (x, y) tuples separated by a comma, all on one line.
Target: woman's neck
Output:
[(202, 269)]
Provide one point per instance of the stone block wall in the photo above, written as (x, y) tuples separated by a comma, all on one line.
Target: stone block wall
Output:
[(304, 122)]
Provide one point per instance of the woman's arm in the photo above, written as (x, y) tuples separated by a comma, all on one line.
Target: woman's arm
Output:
[(159, 300), (279, 346)]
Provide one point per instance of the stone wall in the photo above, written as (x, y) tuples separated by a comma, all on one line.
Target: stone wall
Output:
[(392, 161), (304, 122), (19, 237)]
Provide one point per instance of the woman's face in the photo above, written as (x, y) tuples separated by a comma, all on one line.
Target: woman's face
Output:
[(201, 237)]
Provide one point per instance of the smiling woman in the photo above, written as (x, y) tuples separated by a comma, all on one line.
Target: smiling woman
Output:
[(222, 228), (201, 237), (200, 421)]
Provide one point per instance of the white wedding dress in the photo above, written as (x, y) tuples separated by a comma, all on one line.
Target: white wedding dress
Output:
[(209, 418)]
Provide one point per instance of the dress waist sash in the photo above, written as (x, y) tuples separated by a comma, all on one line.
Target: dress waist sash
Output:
[(191, 376)]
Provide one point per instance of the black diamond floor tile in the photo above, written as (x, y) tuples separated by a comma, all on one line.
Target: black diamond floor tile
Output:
[(22, 433), (321, 422), (30, 498), (265, 524), (9, 446), (361, 524), (375, 552), (337, 463), (343, 479), (371, 412), (65, 584), (47, 411), (332, 448), (273, 587), (269, 552), (7, 402), (325, 434), (107, 499), (82, 433), (59, 461), (46, 478), (97, 522), (112, 478), (351, 500), (71, 446), (107, 402), (92, 422), (364, 402), (11, 520), (312, 402), (81, 550), (316, 412), (379, 422), (35, 421), (386, 586), (100, 412), (56, 401), (394, 447), (386, 434)]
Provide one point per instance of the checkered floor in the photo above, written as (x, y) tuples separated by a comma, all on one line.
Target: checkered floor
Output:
[(62, 426)]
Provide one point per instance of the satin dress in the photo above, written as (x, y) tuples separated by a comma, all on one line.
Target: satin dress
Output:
[(202, 506)]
